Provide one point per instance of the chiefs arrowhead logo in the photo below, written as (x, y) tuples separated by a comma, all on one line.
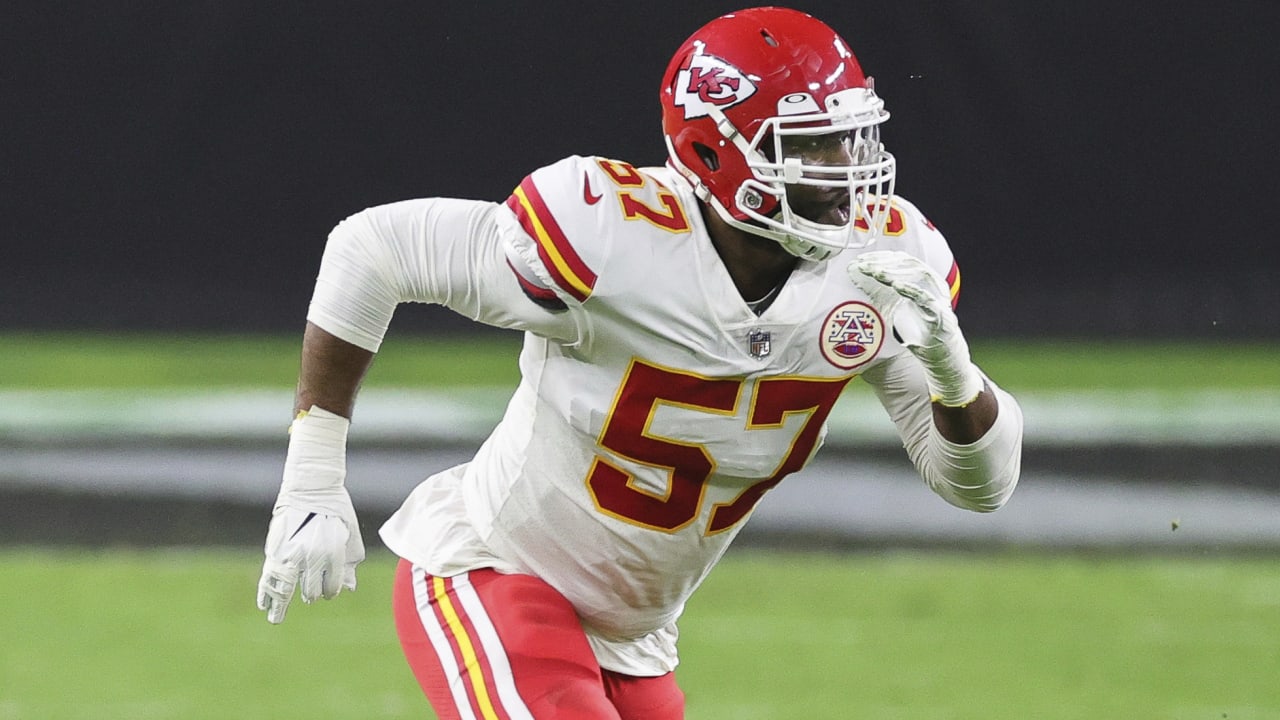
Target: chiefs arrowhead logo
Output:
[(705, 81)]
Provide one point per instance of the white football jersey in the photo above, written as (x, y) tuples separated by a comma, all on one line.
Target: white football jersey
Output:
[(656, 408)]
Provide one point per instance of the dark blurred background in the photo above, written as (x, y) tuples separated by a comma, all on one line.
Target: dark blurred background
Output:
[(1101, 169)]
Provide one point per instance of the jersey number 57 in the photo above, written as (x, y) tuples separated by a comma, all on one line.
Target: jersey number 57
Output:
[(689, 465)]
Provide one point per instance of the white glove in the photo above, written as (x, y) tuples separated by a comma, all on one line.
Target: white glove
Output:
[(916, 303), (314, 536)]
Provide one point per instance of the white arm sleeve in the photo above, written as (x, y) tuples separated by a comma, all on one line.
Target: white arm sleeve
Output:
[(435, 250), (980, 476)]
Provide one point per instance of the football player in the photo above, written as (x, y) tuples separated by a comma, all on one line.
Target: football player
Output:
[(688, 329)]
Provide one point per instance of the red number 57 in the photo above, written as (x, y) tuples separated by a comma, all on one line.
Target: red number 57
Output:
[(689, 465)]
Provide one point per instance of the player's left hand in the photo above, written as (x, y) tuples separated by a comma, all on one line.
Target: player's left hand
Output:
[(916, 303)]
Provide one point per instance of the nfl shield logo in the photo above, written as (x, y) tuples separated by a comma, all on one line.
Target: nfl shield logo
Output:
[(758, 343)]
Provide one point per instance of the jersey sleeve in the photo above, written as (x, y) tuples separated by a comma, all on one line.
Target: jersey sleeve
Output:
[(437, 250), (556, 232), (909, 228)]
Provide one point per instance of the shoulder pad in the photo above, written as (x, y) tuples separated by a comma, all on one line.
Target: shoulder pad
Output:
[(909, 230), (583, 213), (544, 208)]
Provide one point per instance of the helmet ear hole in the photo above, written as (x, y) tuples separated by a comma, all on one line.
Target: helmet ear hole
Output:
[(708, 156)]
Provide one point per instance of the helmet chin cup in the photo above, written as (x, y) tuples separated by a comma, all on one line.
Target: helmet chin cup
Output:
[(808, 239), (817, 243), (806, 250)]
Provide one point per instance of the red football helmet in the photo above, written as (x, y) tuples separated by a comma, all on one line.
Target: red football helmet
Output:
[(742, 99)]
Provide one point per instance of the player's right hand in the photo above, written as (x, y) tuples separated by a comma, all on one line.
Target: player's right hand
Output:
[(313, 542), (310, 552)]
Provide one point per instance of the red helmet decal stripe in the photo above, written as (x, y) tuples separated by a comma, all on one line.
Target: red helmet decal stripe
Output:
[(566, 268)]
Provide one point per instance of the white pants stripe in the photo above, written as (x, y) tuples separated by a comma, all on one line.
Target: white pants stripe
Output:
[(493, 649), (485, 635)]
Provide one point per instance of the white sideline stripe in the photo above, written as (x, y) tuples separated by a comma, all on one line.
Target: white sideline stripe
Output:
[(444, 650), (493, 649), (1197, 417)]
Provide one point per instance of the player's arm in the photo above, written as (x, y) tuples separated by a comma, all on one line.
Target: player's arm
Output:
[(443, 251), (967, 424), (963, 433), (313, 541), (331, 372), (976, 474)]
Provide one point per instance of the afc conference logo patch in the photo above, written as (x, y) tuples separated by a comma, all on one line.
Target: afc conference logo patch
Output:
[(705, 81), (851, 335)]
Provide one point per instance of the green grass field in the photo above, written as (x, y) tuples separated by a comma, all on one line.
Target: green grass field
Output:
[(134, 635)]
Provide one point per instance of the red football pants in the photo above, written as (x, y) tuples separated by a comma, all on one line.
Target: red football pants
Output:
[(488, 646)]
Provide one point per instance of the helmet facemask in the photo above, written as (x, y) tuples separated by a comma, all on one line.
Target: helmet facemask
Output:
[(808, 163)]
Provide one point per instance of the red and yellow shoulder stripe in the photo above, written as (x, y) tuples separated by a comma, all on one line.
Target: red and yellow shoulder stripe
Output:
[(953, 284), (557, 254)]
